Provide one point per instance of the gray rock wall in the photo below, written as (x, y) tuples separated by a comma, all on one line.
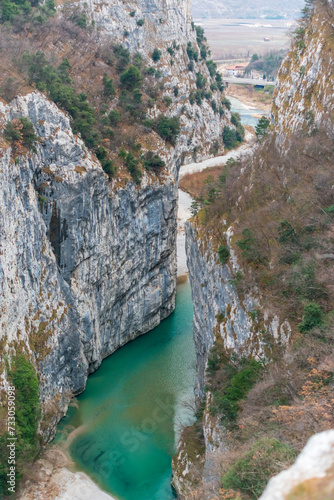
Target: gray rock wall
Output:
[(84, 268), (213, 294)]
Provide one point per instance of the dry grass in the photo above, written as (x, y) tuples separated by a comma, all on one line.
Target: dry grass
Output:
[(295, 187), (315, 489), (294, 398), (194, 183)]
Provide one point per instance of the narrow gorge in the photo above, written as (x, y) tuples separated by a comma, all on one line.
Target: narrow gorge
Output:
[(101, 105), (89, 263)]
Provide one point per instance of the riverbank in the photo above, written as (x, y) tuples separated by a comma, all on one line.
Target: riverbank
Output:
[(51, 479), (251, 97)]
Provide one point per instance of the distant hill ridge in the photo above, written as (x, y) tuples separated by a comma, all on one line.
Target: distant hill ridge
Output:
[(275, 9)]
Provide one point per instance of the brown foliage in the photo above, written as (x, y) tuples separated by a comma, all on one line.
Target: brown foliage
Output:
[(259, 194), (194, 183)]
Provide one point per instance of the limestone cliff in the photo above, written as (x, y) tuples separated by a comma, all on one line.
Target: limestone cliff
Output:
[(168, 27), (86, 269), (303, 99)]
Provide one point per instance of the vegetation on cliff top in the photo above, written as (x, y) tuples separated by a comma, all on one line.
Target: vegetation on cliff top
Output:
[(251, 473), (282, 225), (97, 80)]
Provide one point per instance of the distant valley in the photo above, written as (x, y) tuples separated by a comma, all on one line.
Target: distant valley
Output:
[(232, 9)]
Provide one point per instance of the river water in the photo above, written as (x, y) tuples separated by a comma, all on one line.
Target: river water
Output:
[(249, 115), (128, 418)]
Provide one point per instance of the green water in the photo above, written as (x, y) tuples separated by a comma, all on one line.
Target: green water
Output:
[(132, 409)]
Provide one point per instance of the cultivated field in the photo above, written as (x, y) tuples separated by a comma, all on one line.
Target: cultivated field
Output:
[(240, 38)]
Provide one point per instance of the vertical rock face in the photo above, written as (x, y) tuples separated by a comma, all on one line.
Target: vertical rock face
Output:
[(220, 313), (303, 98), (222, 317), (213, 296), (167, 20), (84, 269), (38, 311)]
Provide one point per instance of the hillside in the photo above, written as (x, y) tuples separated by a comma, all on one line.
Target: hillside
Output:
[(260, 257)]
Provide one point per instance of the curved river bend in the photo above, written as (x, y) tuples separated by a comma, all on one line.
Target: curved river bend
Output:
[(128, 418)]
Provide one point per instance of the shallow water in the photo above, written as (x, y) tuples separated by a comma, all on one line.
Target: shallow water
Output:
[(249, 115), (132, 409)]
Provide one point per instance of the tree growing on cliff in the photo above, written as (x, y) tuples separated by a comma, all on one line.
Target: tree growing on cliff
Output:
[(11, 10), (262, 127), (23, 377), (153, 162), (108, 85), (223, 253), (313, 317), (168, 128), (131, 78), (21, 133), (156, 55)]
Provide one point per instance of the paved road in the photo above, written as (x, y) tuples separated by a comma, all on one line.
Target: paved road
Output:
[(248, 81), (184, 213), (191, 168), (185, 200)]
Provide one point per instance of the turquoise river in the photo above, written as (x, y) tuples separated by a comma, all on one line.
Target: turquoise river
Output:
[(123, 432)]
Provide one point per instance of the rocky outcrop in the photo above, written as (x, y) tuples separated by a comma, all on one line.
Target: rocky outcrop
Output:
[(311, 476), (164, 20), (168, 27), (303, 99)]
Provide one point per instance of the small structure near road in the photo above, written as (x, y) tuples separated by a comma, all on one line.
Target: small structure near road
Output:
[(237, 70)]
